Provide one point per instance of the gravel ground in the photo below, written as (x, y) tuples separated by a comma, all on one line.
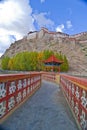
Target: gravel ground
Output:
[(45, 110)]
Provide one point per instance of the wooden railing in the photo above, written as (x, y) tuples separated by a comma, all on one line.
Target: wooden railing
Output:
[(16, 89), (75, 91)]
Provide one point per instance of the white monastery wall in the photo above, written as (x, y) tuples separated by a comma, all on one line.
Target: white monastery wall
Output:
[(40, 34), (32, 35)]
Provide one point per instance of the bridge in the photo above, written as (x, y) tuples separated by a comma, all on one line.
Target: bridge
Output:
[(42, 101)]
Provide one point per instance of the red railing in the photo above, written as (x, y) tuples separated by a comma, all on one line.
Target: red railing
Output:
[(15, 89), (75, 91), (50, 76)]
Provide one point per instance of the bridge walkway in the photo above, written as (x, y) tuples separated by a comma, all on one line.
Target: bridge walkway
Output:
[(45, 110)]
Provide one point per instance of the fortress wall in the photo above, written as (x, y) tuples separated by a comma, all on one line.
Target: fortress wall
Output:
[(77, 35), (40, 34), (32, 35)]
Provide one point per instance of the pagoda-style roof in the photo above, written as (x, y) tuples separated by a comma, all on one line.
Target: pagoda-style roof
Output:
[(53, 59)]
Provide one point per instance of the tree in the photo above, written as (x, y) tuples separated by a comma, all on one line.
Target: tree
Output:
[(65, 66), (40, 65), (10, 64), (30, 61), (5, 62), (47, 54)]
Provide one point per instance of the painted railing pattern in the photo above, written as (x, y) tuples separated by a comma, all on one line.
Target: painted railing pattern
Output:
[(50, 76), (75, 91), (15, 89)]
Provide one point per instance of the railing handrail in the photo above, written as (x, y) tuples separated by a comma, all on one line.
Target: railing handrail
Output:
[(82, 82), (75, 92), (24, 84), (15, 89), (10, 77)]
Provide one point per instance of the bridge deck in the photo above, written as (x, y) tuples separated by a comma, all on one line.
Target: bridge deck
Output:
[(45, 110)]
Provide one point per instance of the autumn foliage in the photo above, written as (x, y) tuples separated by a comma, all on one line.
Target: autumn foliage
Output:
[(32, 61)]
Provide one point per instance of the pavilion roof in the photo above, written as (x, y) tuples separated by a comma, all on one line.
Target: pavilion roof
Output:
[(53, 59)]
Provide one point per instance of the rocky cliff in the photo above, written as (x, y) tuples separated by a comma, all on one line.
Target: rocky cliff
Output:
[(74, 47)]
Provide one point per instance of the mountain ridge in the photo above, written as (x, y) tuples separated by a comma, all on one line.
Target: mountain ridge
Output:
[(73, 46)]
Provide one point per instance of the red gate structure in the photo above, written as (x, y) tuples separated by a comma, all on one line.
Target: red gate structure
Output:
[(15, 89)]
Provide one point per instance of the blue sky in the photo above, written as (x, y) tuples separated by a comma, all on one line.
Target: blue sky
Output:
[(18, 17), (64, 12)]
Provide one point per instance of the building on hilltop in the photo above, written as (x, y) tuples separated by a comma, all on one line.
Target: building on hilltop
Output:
[(32, 35), (44, 32)]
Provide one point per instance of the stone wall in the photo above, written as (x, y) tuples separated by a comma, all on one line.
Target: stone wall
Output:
[(44, 32), (32, 35)]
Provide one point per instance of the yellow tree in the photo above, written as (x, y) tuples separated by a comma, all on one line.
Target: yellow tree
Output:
[(40, 61), (11, 64)]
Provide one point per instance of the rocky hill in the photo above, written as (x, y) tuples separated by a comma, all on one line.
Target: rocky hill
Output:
[(74, 47)]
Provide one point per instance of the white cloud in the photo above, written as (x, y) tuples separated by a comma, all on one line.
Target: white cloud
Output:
[(15, 19), (0, 54), (60, 28), (42, 1), (5, 39), (69, 24), (42, 20)]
